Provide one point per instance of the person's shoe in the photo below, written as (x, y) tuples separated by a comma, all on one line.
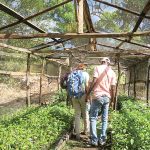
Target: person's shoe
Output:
[(102, 142), (85, 133), (78, 137), (92, 144)]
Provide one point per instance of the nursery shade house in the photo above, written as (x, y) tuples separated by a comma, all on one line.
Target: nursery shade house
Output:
[(67, 32)]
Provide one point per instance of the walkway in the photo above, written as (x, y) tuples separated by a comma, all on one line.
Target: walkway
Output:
[(72, 144)]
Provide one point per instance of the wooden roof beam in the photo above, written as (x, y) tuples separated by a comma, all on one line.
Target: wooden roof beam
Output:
[(80, 16), (142, 51), (87, 17), (132, 42), (121, 8), (141, 17), (126, 41), (25, 51), (74, 35), (20, 17), (48, 44), (89, 25), (24, 20)]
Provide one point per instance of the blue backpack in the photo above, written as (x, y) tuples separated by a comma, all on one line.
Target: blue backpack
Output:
[(75, 84)]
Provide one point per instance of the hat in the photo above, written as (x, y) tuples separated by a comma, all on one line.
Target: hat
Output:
[(105, 59)]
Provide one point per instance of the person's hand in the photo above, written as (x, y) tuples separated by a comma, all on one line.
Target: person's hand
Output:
[(111, 105), (86, 98)]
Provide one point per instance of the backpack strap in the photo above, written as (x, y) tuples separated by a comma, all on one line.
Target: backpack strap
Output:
[(99, 79)]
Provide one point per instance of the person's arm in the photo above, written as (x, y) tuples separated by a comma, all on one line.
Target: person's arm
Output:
[(112, 92), (91, 86), (87, 83)]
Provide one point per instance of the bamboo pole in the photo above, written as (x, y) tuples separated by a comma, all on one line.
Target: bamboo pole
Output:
[(75, 50), (129, 83), (68, 100), (147, 85), (59, 76), (134, 86), (70, 62), (28, 100), (140, 19), (16, 15), (80, 16), (92, 43), (73, 35), (35, 15), (121, 8), (116, 93), (41, 79), (76, 12)]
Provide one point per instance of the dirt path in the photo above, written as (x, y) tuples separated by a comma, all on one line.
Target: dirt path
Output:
[(73, 144)]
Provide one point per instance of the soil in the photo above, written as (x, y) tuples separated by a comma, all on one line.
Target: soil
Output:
[(14, 97)]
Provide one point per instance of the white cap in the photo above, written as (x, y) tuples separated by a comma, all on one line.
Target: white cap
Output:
[(105, 59)]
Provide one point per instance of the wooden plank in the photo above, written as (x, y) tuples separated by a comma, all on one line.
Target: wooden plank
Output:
[(73, 35), (80, 16), (121, 8)]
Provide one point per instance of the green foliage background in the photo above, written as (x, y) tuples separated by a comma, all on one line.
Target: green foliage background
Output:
[(130, 126)]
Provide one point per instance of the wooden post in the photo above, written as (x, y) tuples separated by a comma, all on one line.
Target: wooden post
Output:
[(129, 83), (70, 70), (46, 67), (92, 43), (116, 94), (76, 12), (134, 86), (125, 84), (80, 16), (41, 79), (59, 76), (70, 62), (28, 100), (147, 89)]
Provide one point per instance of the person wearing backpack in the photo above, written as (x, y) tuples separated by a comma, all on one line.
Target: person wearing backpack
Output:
[(77, 86), (103, 87)]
